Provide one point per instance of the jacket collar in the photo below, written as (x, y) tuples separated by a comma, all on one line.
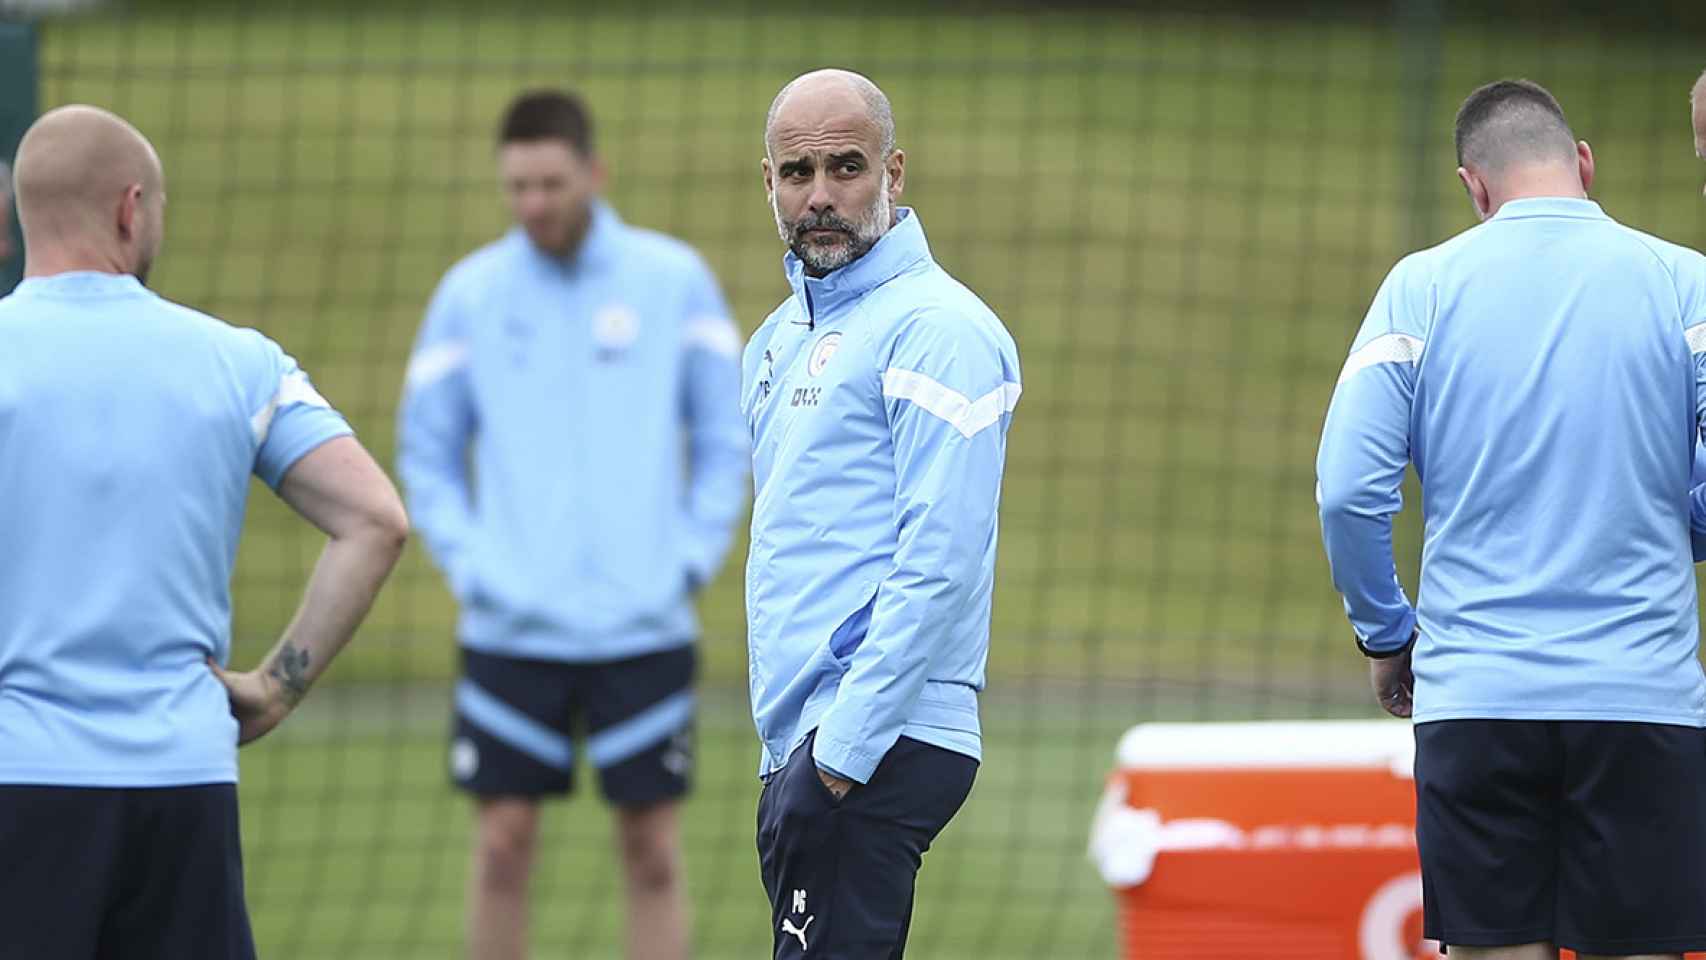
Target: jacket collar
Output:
[(894, 253), (82, 284), (1579, 207), (600, 245)]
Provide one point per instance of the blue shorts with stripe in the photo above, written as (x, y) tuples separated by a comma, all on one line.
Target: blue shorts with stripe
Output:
[(519, 724)]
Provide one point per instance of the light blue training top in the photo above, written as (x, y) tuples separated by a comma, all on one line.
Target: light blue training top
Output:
[(879, 398), (129, 428), (570, 442), (1543, 371)]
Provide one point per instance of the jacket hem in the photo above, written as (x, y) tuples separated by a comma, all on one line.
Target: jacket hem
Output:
[(1603, 715), (31, 776), (559, 649)]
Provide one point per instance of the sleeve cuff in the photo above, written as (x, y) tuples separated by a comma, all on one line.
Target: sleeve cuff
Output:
[(703, 558), (273, 470), (1384, 653), (845, 760), (699, 574), (833, 772)]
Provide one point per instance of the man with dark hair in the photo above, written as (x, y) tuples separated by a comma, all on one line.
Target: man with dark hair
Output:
[(1548, 363), (1509, 122), (541, 442), (548, 115)]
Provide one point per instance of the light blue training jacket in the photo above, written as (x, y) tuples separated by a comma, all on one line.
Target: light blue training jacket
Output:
[(600, 399), (1544, 372), (879, 399)]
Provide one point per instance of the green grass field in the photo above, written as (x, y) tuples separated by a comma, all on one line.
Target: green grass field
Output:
[(1181, 218), (356, 847)]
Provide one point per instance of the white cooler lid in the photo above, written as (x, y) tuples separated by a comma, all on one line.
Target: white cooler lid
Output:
[(1124, 841), (1353, 744)]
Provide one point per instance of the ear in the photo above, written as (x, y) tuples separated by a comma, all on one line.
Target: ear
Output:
[(1584, 163), (599, 172), (897, 175), (130, 212), (769, 176), (1477, 190)]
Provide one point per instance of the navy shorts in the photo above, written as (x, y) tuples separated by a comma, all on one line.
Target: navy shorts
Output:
[(840, 874), (1590, 835), (122, 874), (519, 724)]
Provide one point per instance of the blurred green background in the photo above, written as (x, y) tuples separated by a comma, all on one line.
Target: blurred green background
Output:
[(1180, 212)]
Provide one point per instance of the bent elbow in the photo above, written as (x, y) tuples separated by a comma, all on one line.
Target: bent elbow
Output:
[(388, 527), (1341, 500), (397, 528), (1333, 505)]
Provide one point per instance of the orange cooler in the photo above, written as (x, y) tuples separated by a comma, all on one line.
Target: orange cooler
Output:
[(1264, 840)]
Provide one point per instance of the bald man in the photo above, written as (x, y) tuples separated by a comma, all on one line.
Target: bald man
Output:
[(1546, 363), (129, 429), (879, 397)]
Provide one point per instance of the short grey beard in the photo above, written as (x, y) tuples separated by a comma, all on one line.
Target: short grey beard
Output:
[(866, 231)]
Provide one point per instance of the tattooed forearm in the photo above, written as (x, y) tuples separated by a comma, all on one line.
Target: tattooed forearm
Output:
[(290, 669)]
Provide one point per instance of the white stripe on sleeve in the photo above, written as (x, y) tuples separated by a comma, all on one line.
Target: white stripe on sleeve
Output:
[(293, 389), (969, 417), (715, 333), (434, 363), (1392, 348), (1696, 338)]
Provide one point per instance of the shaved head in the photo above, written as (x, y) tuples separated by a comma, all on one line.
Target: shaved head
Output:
[(833, 90), (831, 168), (1513, 143), (1512, 123), (90, 193)]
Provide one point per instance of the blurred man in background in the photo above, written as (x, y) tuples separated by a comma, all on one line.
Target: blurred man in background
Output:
[(542, 447), (879, 396), (1549, 360), (129, 428)]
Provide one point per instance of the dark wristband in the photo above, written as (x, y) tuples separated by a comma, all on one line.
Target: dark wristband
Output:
[(1387, 654)]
